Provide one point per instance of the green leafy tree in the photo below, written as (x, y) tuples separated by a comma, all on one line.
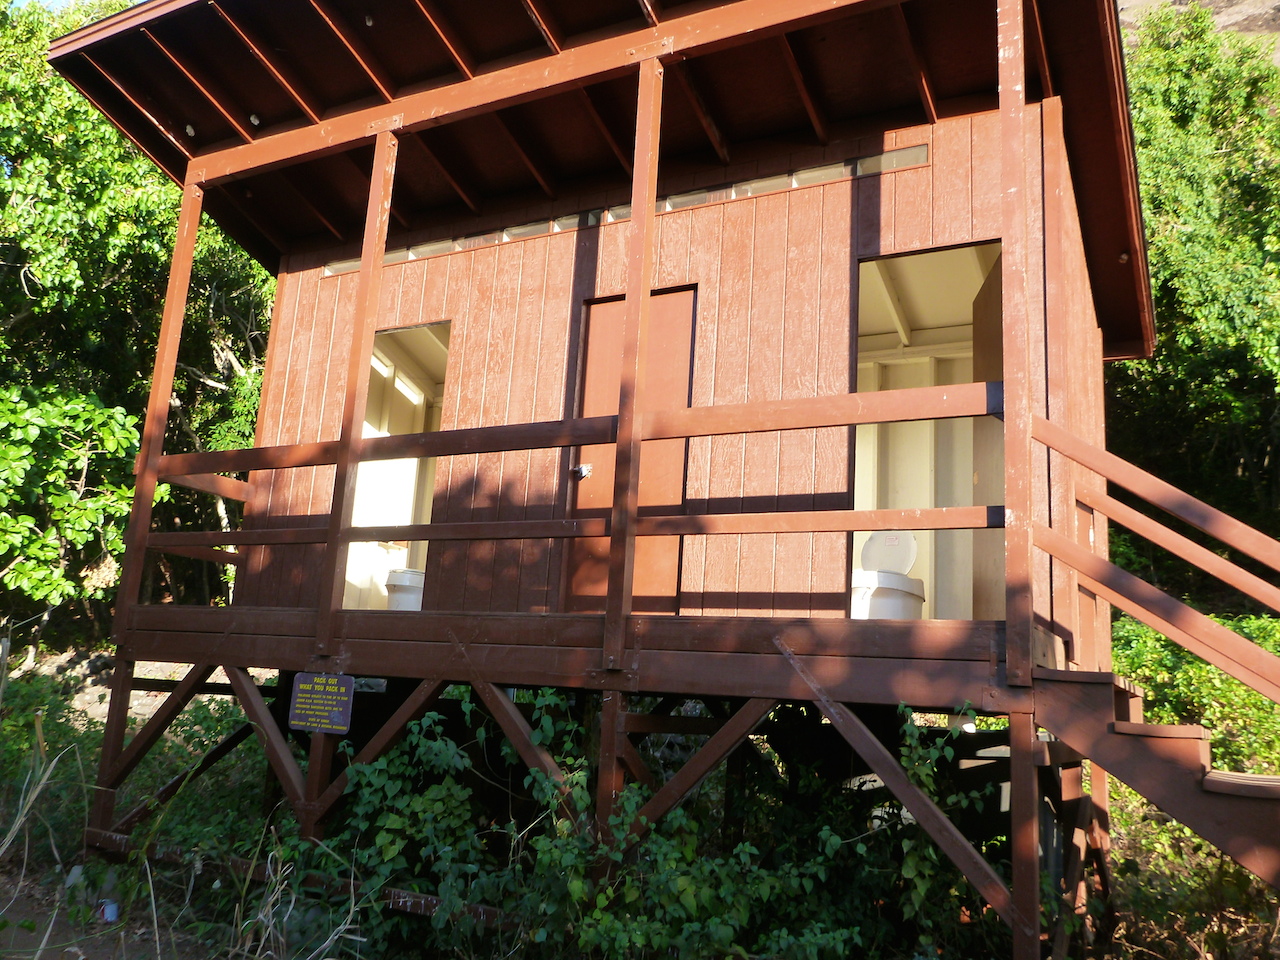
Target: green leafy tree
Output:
[(86, 231), (1208, 140)]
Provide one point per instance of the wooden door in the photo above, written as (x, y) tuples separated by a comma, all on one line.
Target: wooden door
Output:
[(662, 462)]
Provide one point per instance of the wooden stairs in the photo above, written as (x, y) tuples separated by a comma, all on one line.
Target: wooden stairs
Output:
[(1099, 716)]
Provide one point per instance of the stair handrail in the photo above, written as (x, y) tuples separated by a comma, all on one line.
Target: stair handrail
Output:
[(1224, 528), (1197, 633)]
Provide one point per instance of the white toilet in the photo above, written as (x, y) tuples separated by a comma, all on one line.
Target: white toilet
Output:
[(404, 589), (881, 588)]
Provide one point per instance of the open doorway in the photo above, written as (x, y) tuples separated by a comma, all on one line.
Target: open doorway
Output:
[(406, 392), (932, 319)]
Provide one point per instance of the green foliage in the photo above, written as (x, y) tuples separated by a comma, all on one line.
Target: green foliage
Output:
[(1207, 133), (1180, 896), (86, 231), (63, 494), (1181, 688), (540, 885)]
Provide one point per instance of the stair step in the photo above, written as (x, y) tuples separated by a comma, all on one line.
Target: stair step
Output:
[(1242, 784), (1087, 676), (1169, 731)]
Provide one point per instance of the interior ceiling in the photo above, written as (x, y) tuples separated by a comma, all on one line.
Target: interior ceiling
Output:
[(934, 291), (185, 78)]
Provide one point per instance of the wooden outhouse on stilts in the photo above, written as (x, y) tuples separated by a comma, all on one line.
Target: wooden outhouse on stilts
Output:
[(733, 350)]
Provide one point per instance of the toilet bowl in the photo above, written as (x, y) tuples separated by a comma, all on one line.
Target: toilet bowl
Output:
[(881, 589)]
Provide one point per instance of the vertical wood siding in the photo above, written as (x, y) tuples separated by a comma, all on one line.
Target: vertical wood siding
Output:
[(776, 282)]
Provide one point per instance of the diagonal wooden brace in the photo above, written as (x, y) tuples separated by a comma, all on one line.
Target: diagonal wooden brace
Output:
[(697, 767), (146, 738), (273, 740), (927, 813), (414, 706)]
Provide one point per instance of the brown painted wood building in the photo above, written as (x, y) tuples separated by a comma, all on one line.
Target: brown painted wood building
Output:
[(627, 325)]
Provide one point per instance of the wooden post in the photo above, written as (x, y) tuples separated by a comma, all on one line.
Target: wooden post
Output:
[(1016, 316), (1024, 814), (368, 289), (609, 773), (640, 260), (157, 418), (148, 466)]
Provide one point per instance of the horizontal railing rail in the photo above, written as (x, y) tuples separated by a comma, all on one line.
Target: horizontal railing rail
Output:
[(1197, 633), (203, 471)]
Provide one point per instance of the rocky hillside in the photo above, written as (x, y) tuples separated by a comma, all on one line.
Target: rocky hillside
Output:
[(1251, 17)]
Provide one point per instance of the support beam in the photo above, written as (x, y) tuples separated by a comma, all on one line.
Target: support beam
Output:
[(641, 254), (234, 194), (368, 291), (540, 175), (699, 31), (269, 733), (1024, 814), (416, 143), (816, 115), (718, 143), (897, 313), (936, 823), (153, 428), (1042, 54), (161, 122), (927, 99), (1019, 497), (594, 112), (518, 731), (159, 722), (204, 85), (610, 764), (147, 808), (391, 733), (102, 808), (736, 729), (650, 9), (457, 51), (355, 45), (282, 74), (551, 34)]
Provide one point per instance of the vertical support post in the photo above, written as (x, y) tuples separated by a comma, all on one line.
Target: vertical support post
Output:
[(368, 290), (1024, 814), (1016, 337), (1063, 359), (640, 261), (319, 775), (152, 446), (148, 468), (609, 775), (104, 797)]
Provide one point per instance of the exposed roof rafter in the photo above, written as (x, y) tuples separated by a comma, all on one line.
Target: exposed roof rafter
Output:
[(284, 76), (544, 181), (206, 87), (301, 195), (416, 141), (356, 46), (917, 66), (624, 158), (680, 71), (551, 33), (651, 10), (816, 115), (161, 123), (350, 162), (897, 313), (457, 51), (1037, 42), (236, 194)]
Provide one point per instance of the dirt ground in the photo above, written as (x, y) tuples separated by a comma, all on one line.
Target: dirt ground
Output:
[(1252, 17), (39, 925)]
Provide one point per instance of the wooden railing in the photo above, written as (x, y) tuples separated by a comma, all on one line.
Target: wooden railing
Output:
[(1197, 633), (202, 471)]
